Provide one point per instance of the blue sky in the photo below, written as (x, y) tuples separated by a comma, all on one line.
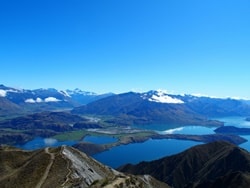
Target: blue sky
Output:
[(183, 46)]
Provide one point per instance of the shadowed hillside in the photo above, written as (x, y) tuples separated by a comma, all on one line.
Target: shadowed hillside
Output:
[(217, 164)]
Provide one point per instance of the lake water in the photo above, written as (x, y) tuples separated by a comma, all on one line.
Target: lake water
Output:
[(39, 142), (175, 129), (146, 151), (235, 121), (149, 150), (238, 122), (154, 149)]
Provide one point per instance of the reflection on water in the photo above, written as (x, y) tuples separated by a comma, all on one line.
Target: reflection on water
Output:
[(195, 130), (175, 129), (39, 142)]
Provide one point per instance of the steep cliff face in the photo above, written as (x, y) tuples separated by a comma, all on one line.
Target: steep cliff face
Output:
[(62, 167)]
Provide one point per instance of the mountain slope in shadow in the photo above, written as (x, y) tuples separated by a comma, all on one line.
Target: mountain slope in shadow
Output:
[(217, 164)]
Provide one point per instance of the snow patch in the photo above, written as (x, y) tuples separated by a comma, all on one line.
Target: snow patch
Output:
[(65, 93), (78, 91), (165, 99), (3, 93), (162, 97)]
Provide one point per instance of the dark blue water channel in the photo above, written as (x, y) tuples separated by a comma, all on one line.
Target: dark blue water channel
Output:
[(146, 151)]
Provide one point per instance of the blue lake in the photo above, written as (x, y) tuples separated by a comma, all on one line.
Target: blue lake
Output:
[(149, 150), (39, 142), (164, 129), (237, 121)]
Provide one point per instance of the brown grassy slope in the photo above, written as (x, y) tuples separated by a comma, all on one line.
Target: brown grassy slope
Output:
[(62, 167), (22, 168)]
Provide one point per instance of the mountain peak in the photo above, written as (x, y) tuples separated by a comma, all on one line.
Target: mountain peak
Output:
[(161, 96), (78, 91)]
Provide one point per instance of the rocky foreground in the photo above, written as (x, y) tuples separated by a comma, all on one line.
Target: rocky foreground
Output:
[(62, 167)]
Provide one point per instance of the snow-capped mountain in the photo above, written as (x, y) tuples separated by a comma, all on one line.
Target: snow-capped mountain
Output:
[(45, 99), (161, 107), (85, 97), (18, 100), (143, 108), (78, 91), (160, 96)]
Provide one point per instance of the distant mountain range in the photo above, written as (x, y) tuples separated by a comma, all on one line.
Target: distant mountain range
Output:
[(217, 164), (126, 108), (18, 101), (159, 107)]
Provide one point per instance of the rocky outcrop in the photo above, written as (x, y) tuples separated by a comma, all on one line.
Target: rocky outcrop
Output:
[(63, 167)]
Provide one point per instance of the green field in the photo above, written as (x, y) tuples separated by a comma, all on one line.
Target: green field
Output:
[(74, 135)]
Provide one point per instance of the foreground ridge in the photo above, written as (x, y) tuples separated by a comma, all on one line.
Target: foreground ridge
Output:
[(62, 167)]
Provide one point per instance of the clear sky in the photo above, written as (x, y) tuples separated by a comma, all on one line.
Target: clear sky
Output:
[(183, 46)]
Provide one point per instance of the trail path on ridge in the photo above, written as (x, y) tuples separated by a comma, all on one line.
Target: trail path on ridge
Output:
[(45, 175)]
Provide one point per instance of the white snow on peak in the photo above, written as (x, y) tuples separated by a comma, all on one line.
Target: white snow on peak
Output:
[(65, 93), (162, 97), (78, 91), (165, 99), (51, 99), (3, 93)]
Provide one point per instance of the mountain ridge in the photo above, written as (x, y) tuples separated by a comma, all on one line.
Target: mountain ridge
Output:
[(22, 101), (205, 165), (136, 108), (19, 101), (62, 167)]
